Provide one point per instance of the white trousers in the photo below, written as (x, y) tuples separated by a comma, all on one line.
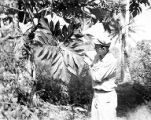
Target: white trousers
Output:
[(104, 106)]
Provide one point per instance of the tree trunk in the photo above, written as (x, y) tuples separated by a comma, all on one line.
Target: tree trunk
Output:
[(124, 38)]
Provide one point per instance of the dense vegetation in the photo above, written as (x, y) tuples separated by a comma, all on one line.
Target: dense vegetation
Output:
[(41, 59)]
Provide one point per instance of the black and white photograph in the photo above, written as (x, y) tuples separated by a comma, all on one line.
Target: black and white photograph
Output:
[(75, 59)]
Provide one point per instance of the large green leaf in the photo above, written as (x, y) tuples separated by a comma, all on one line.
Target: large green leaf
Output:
[(44, 23), (64, 30), (51, 26), (59, 68), (45, 54), (59, 50), (57, 29), (72, 57), (45, 37), (62, 60)]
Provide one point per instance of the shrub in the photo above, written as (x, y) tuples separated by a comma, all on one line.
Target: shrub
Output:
[(53, 91), (77, 92), (140, 67), (80, 90)]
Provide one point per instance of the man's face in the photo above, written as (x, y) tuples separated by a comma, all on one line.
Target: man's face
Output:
[(101, 50)]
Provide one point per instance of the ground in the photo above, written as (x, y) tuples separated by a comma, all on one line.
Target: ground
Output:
[(131, 106)]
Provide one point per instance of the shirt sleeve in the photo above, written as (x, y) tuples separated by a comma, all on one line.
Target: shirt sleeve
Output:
[(103, 70)]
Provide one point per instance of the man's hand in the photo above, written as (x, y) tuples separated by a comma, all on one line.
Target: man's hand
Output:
[(96, 59)]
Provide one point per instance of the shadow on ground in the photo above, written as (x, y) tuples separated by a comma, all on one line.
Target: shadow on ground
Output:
[(129, 97)]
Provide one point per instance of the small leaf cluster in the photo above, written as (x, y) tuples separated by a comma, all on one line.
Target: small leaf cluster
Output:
[(61, 33), (135, 6)]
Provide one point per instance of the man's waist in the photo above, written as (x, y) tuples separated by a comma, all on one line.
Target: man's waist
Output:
[(101, 91), (106, 86)]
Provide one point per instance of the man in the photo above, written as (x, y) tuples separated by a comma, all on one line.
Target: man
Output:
[(103, 73)]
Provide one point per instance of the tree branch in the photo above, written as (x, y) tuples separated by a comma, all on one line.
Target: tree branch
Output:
[(44, 9), (12, 8)]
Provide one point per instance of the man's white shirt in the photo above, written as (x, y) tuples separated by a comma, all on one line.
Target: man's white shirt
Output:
[(103, 73)]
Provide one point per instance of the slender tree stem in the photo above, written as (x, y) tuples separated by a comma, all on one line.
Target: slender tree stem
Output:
[(124, 39)]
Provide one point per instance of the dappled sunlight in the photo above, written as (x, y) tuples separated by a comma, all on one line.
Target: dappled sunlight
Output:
[(43, 46), (140, 113)]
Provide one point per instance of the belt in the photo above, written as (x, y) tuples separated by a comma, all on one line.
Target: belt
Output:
[(101, 91)]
